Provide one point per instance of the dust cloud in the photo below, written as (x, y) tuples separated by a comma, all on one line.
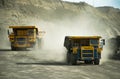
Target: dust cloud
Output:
[(51, 45), (106, 53), (86, 22)]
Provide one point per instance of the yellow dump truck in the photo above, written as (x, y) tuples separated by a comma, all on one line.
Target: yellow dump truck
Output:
[(83, 48), (22, 37)]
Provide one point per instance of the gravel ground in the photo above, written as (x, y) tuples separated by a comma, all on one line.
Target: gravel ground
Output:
[(24, 65)]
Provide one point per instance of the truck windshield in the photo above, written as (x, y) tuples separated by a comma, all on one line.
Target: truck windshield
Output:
[(81, 42), (94, 41), (31, 32), (20, 32)]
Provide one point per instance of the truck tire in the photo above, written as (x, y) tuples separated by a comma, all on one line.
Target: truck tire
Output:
[(13, 48), (73, 59), (68, 58), (86, 62), (96, 61)]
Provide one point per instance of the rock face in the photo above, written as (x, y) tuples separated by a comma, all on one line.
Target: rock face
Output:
[(71, 18)]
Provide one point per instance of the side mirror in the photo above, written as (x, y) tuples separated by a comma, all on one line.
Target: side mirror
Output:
[(103, 41)]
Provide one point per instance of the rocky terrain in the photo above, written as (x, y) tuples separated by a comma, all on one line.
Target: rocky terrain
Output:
[(58, 19), (51, 15)]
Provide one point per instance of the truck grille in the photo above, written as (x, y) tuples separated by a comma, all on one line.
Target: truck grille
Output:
[(21, 41), (87, 53)]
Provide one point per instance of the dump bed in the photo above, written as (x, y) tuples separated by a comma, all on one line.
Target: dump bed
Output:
[(21, 27), (68, 42)]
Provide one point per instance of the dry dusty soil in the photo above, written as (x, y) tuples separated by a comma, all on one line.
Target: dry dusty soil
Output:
[(23, 65)]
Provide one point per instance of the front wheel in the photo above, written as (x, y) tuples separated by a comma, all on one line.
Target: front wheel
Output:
[(73, 59), (68, 58), (96, 61), (13, 48)]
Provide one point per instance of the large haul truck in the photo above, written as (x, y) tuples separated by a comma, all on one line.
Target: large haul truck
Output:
[(83, 48), (22, 37), (114, 45)]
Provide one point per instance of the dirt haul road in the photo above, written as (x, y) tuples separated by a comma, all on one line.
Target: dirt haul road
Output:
[(25, 65)]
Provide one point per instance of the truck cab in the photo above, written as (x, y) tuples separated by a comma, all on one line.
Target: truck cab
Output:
[(83, 48)]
